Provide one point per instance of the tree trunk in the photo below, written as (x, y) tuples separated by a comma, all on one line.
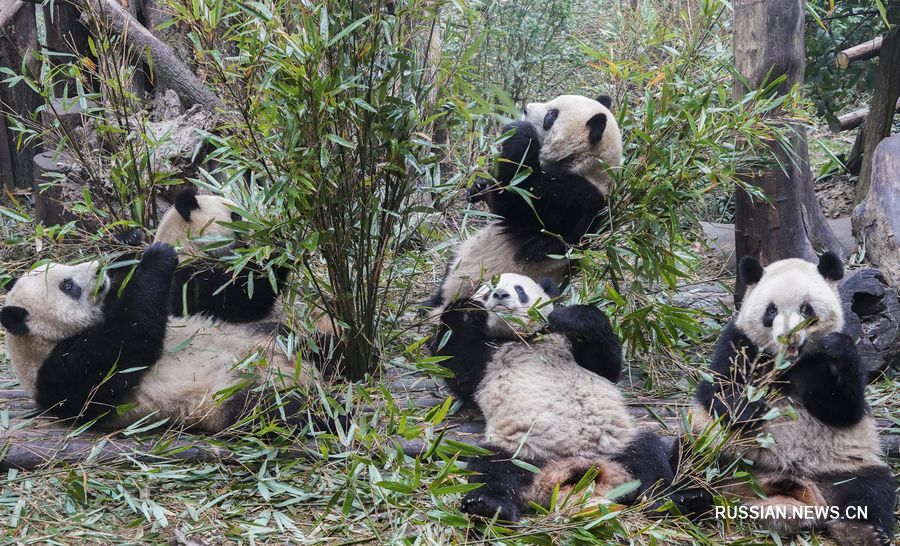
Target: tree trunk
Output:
[(881, 109), (768, 42), (18, 41), (877, 218)]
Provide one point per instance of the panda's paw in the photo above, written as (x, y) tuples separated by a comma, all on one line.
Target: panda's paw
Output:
[(693, 502), (838, 350), (478, 190), (485, 505), (523, 130), (159, 257)]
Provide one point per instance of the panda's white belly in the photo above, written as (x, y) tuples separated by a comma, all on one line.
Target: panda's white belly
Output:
[(201, 358), (807, 444), (536, 396)]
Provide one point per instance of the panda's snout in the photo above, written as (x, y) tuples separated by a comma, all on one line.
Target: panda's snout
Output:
[(500, 295)]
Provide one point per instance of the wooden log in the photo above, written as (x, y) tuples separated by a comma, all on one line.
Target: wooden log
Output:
[(861, 52), (768, 43), (169, 72), (854, 119), (881, 108), (18, 39)]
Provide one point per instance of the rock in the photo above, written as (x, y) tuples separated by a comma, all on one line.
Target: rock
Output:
[(181, 142), (877, 219), (872, 315)]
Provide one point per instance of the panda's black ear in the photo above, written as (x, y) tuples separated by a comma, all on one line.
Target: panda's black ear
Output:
[(550, 287), (185, 202), (14, 320), (9, 284), (605, 100), (596, 125), (750, 271), (831, 267)]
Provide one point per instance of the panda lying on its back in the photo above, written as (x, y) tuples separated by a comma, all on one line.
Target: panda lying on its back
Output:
[(202, 287), (83, 351), (550, 398), (825, 449), (568, 144)]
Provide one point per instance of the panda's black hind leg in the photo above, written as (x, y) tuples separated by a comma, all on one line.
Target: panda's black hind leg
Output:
[(872, 489), (503, 486), (646, 458)]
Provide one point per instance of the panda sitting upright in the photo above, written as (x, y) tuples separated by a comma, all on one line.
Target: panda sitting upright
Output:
[(89, 352), (567, 147), (548, 398), (823, 448)]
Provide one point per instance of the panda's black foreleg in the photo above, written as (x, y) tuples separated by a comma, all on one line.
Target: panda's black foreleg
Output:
[(727, 395), (865, 499), (461, 338), (519, 165), (594, 344), (503, 489), (87, 375), (830, 380)]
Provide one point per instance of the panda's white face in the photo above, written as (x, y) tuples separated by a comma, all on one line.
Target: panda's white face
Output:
[(790, 292), (56, 301), (509, 303), (198, 216), (580, 133)]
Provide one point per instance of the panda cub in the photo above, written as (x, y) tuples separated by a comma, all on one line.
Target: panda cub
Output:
[(824, 446), (567, 147), (203, 287), (548, 398), (86, 352)]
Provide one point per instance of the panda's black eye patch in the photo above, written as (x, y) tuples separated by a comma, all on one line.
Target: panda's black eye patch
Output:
[(550, 118), (70, 288), (769, 315), (523, 297), (807, 310)]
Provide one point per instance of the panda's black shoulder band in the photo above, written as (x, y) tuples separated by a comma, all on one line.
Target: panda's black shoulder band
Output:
[(185, 202)]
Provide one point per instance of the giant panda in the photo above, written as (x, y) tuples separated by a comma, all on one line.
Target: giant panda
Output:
[(547, 397), (824, 446), (202, 286), (89, 352), (568, 147)]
